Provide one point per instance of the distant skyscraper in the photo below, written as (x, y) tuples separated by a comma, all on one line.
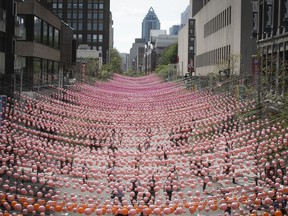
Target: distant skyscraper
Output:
[(174, 29), (90, 20), (185, 16), (150, 21)]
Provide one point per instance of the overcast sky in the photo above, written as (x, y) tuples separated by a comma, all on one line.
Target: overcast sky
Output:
[(129, 14)]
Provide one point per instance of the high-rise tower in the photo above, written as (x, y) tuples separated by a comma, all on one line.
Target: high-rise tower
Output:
[(90, 20), (150, 21)]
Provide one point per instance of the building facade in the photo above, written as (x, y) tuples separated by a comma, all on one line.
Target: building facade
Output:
[(150, 22), (11, 28), (185, 15), (174, 29), (90, 19), (272, 41), (134, 62), (183, 35), (125, 59), (224, 31), (39, 47)]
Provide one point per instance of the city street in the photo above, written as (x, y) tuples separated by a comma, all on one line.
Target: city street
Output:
[(141, 146)]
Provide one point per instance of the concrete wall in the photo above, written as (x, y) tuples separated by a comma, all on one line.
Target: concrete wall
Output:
[(229, 35), (28, 48), (87, 54)]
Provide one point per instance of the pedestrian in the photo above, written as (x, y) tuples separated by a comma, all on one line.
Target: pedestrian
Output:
[(169, 184), (134, 188), (151, 188)]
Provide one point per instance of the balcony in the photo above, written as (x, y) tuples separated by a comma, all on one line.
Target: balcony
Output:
[(2, 20), (19, 27)]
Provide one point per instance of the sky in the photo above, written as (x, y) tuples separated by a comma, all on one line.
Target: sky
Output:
[(128, 15)]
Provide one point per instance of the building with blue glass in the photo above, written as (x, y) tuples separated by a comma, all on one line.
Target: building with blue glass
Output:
[(150, 21)]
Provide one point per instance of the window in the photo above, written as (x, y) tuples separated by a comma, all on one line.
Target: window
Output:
[(55, 71), (89, 25), (80, 37), (74, 24), (51, 32), (44, 72), (56, 38), (69, 14), (80, 15), (100, 37), (80, 25), (50, 72), (37, 30), (101, 6), (89, 38), (74, 14), (24, 27), (2, 62), (90, 15), (100, 48), (101, 16), (94, 38), (229, 19), (36, 71), (60, 5), (225, 17), (54, 5), (95, 26), (100, 26)]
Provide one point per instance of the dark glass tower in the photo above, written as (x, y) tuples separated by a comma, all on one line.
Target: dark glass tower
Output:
[(90, 20), (150, 21)]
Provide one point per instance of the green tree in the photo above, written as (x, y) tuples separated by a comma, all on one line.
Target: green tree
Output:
[(229, 65), (162, 71), (92, 67), (169, 56), (114, 66), (115, 61)]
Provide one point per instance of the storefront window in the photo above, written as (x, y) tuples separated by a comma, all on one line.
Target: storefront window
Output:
[(50, 72), (56, 72), (44, 72), (36, 72)]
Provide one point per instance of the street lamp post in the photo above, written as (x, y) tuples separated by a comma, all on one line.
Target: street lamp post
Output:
[(145, 59)]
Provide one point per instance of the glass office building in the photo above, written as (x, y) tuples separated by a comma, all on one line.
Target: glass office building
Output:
[(150, 21)]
